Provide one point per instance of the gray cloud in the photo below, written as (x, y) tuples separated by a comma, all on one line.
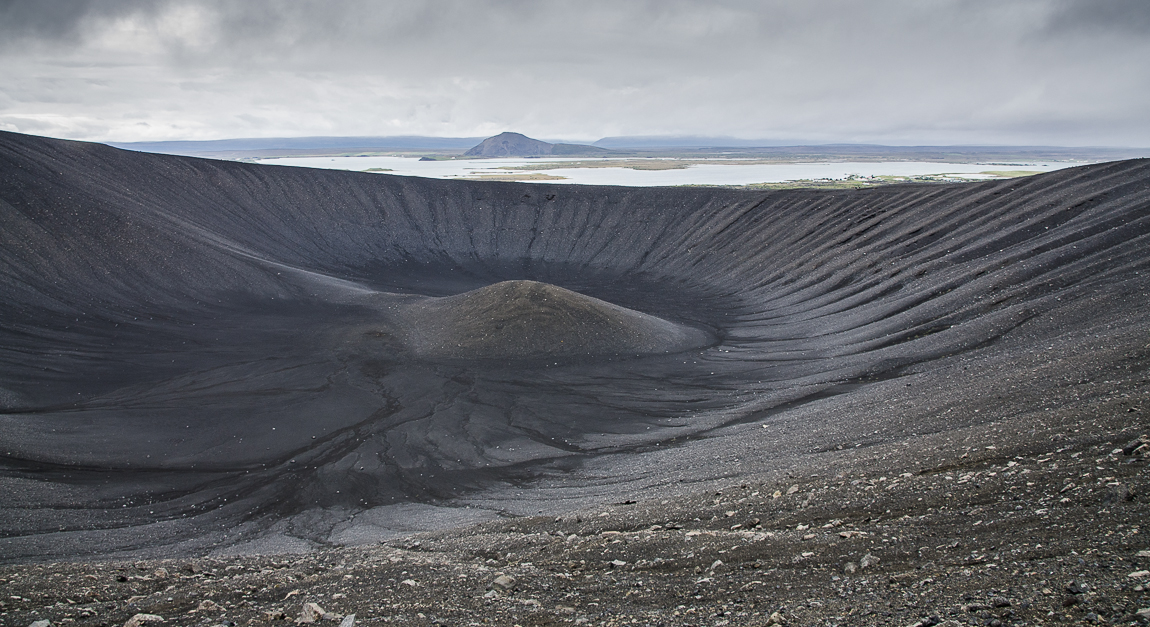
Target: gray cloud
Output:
[(57, 22), (1111, 18), (936, 71)]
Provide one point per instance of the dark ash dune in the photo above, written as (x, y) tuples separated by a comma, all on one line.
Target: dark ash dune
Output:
[(528, 320), (198, 353)]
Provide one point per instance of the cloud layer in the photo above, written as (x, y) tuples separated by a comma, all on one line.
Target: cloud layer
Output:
[(1057, 72)]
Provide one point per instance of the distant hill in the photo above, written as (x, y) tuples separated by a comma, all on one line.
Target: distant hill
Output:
[(519, 145), (270, 146), (510, 145)]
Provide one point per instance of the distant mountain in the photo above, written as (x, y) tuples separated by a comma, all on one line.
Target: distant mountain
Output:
[(519, 145), (510, 145), (298, 145)]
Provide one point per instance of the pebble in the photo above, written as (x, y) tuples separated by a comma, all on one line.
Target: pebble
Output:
[(1138, 574), (1135, 445), (503, 582), (868, 560), (776, 619), (208, 605), (310, 613), (41, 623), (140, 619), (1075, 588), (348, 621)]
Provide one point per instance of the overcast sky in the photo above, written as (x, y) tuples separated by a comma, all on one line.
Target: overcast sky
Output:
[(1052, 72)]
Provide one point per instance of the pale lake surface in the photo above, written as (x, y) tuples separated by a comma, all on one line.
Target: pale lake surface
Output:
[(698, 174)]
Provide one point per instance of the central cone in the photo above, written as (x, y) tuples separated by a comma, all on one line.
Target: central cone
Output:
[(526, 319)]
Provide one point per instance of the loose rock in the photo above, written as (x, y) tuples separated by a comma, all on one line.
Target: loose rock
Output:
[(208, 605), (310, 613), (140, 619), (1136, 444), (503, 582)]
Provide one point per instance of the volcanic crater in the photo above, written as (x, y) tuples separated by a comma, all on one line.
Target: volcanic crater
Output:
[(201, 355)]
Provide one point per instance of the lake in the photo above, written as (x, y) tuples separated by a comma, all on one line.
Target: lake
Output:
[(697, 173)]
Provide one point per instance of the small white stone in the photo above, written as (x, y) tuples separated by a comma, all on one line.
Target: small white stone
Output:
[(503, 582), (140, 619), (310, 613)]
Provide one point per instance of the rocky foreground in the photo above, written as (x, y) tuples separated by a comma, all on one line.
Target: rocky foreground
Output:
[(979, 535)]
